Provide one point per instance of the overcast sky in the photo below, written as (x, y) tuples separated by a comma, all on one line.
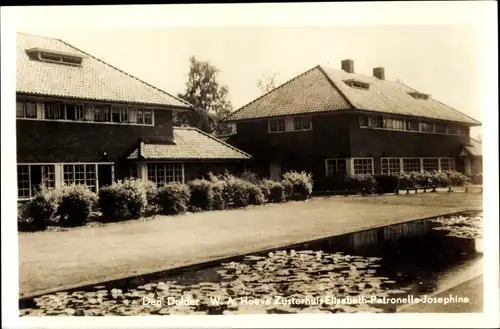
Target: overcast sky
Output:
[(445, 61)]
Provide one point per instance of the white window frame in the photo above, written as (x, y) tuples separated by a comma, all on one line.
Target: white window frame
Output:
[(85, 178), (428, 159), (420, 160), (45, 175), (156, 167), (301, 120), (329, 173), (362, 158), (389, 171), (452, 163), (277, 121)]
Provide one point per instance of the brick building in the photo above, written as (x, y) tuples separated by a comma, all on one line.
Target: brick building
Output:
[(81, 120), (334, 122)]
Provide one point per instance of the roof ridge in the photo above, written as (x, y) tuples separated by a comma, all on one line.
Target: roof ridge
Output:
[(128, 74), (270, 91), (220, 141), (336, 87)]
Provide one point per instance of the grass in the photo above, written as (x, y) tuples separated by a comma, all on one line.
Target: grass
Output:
[(54, 260)]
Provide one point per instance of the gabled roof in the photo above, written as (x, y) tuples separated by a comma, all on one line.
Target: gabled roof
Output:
[(322, 89), (188, 144), (475, 148), (93, 80)]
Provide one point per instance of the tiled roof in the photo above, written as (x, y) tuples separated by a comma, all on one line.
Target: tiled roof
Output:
[(94, 80), (475, 148), (188, 144), (323, 89), (309, 92)]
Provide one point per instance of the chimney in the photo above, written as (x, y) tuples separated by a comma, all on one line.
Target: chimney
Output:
[(348, 65), (379, 72)]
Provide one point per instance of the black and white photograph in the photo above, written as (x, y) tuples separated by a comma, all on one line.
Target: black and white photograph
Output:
[(206, 169)]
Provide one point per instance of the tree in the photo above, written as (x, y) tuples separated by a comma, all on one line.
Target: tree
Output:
[(268, 83), (208, 97)]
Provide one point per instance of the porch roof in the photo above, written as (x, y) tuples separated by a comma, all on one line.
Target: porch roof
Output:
[(188, 144)]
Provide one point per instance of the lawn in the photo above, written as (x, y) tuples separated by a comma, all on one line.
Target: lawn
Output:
[(50, 261)]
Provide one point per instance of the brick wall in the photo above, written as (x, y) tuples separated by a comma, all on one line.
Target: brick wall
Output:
[(50, 141)]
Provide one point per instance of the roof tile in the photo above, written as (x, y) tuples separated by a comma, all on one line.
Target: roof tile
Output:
[(94, 80), (190, 143), (323, 89)]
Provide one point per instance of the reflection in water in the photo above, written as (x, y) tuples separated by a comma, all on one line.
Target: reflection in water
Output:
[(407, 258)]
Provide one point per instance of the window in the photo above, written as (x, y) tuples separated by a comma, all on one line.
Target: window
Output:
[(26, 109), (123, 115), (276, 125), (357, 84), (394, 124), (452, 130), (53, 111), (115, 115), (145, 117), (391, 166), (376, 121), (163, 173), (30, 177), (81, 174), (148, 117), (23, 182), (363, 121), (302, 123), (106, 114), (440, 128), (48, 175), (412, 125), (97, 115), (335, 166), (363, 166), (55, 56), (447, 164), (75, 112), (426, 127), (462, 131), (431, 165), (411, 165)]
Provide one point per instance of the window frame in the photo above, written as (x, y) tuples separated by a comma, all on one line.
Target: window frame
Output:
[(301, 120), (363, 159), (336, 161), (85, 179), (412, 158), (388, 170), (152, 167), (277, 122), (46, 176)]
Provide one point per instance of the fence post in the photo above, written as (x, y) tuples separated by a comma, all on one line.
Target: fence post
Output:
[(466, 189), (425, 189), (434, 188), (449, 188), (407, 191), (416, 190)]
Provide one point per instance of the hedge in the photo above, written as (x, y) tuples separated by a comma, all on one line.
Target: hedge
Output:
[(76, 205), (122, 200), (298, 185), (173, 198)]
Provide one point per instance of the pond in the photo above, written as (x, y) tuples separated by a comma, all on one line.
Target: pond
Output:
[(371, 271)]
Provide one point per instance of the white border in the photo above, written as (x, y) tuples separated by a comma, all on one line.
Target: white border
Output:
[(479, 13)]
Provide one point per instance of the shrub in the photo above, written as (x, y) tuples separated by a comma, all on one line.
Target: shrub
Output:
[(387, 183), (298, 185), (202, 197), (40, 211), (173, 198), (362, 182), (476, 179), (440, 179), (405, 181), (457, 178), (250, 176), (124, 199), (255, 194), (76, 205), (273, 191)]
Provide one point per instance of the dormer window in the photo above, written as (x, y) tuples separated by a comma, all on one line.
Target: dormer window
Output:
[(357, 84), (54, 56), (418, 95)]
